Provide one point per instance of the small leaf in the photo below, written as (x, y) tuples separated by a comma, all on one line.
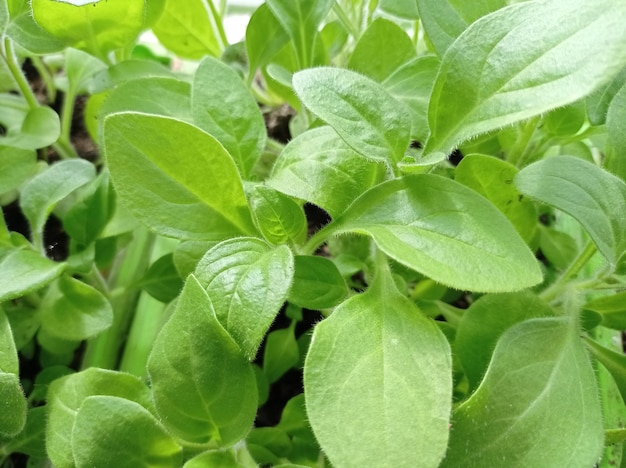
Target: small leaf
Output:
[(612, 308), (25, 271), (247, 281), (265, 37), (13, 404), (366, 116), (319, 167), (162, 281), (317, 283), (223, 106), (281, 353), (113, 431), (67, 394), (614, 362), (527, 401), (443, 230), (180, 181), (487, 81), (40, 128), (559, 248), (40, 195), (280, 219), (204, 389), (378, 383), (595, 198), (614, 161), (8, 354)]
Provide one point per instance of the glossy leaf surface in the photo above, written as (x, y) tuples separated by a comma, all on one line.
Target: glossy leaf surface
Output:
[(446, 231), (204, 389), (377, 382), (247, 281), (180, 181), (487, 81)]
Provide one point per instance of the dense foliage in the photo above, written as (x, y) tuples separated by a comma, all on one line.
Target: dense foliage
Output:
[(416, 207)]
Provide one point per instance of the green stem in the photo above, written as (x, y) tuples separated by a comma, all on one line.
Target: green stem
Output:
[(519, 147), (318, 239), (416, 33), (66, 113), (46, 76), (16, 71), (579, 262), (345, 21), (218, 27)]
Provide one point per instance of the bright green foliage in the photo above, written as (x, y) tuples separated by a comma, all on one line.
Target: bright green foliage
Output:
[(377, 382), (39, 128), (402, 8), (246, 278), (612, 308), (360, 110), (540, 387), (424, 222), (113, 423), (203, 196), (204, 388), (87, 26), (616, 116), (487, 80), (16, 166), (280, 219), (222, 106), (281, 353), (228, 458), (265, 37), (599, 101), (595, 198), (319, 167), (317, 283), (162, 281), (12, 400), (493, 179), (24, 271), (614, 362)]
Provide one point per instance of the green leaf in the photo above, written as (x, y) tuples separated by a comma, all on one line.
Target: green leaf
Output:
[(186, 28), (41, 194), (301, 21), (81, 68), (32, 440), (411, 84), (445, 20), (378, 383), (319, 167), (281, 353), (113, 431), (443, 230), (265, 37), (25, 271), (229, 458), (67, 394), (599, 101), (487, 81), (485, 321), (493, 179), (4, 15), (204, 389), (386, 41), (595, 198), (13, 404), (88, 26), (615, 162), (527, 411), (247, 281), (280, 219), (8, 354), (16, 166), (40, 128), (558, 247), (317, 283), (162, 281), (614, 362), (179, 182), (223, 106), (366, 116), (75, 311), (406, 9), (130, 70), (612, 308), (25, 31), (565, 121)]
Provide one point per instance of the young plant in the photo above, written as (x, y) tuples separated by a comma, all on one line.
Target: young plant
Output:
[(428, 270)]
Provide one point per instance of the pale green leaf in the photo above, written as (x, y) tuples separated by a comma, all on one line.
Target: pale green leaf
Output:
[(378, 382), (265, 37), (615, 363), (487, 81), (25, 31), (280, 219), (25, 271), (41, 127), (612, 308), (319, 167), (317, 283), (229, 458), (537, 406), (8, 354), (113, 431), (180, 181), (247, 281), (360, 110), (446, 231), (406, 9), (204, 388), (592, 196), (223, 106), (599, 101)]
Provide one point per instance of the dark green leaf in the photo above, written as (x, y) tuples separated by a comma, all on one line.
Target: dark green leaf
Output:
[(280, 354), (25, 271), (162, 281), (565, 121), (317, 283), (280, 219), (558, 247), (32, 440), (614, 362), (612, 308), (204, 389)]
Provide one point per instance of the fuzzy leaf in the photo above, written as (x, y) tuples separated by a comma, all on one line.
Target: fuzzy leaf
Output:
[(24, 271), (317, 283)]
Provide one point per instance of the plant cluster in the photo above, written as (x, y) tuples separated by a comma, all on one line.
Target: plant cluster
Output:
[(437, 248)]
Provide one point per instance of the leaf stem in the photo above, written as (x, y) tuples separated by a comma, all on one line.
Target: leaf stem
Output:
[(572, 270), (16, 71), (216, 24), (345, 21), (522, 141), (318, 239)]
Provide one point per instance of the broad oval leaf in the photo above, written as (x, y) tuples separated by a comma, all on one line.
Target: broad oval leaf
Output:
[(527, 402), (113, 431), (180, 181), (378, 383), (317, 283), (446, 231), (319, 167), (222, 105), (247, 281), (40, 128), (360, 110), (25, 271), (592, 196), (488, 81), (280, 219), (204, 388)]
